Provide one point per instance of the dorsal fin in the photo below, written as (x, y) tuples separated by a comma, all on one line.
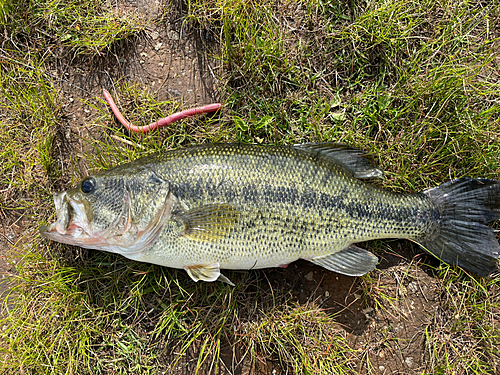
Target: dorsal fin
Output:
[(351, 158)]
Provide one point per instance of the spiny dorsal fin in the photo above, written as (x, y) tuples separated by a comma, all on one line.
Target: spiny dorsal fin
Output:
[(352, 261), (351, 158), (209, 222)]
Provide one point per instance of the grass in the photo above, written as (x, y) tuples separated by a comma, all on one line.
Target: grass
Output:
[(77, 27), (32, 111), (413, 82)]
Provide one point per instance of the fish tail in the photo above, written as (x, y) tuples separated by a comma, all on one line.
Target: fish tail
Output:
[(461, 237)]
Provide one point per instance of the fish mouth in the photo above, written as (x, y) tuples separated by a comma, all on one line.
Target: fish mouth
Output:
[(72, 225)]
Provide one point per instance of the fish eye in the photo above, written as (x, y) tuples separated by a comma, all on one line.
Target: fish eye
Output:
[(88, 185)]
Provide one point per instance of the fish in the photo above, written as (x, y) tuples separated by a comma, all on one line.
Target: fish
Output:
[(243, 206)]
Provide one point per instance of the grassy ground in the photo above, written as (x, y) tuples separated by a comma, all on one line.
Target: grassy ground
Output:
[(413, 82)]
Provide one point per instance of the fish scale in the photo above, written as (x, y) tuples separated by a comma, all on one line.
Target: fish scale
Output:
[(292, 205), (236, 206)]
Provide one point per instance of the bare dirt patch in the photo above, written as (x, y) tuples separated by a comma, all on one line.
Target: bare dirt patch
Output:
[(389, 329)]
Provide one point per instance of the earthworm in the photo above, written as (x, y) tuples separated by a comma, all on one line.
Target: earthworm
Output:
[(164, 121)]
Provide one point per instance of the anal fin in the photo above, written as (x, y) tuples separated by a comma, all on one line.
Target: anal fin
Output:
[(352, 261)]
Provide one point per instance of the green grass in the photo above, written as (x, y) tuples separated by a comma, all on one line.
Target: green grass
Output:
[(458, 341), (76, 27), (32, 113), (415, 83)]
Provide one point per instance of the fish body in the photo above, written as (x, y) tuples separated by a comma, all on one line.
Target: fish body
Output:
[(235, 206)]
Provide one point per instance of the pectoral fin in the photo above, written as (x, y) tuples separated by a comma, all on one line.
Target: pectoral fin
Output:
[(209, 222), (207, 272), (352, 261)]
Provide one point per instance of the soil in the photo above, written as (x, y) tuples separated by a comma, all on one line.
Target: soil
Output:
[(389, 333), (166, 59)]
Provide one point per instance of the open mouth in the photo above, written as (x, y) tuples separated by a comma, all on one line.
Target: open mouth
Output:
[(71, 225)]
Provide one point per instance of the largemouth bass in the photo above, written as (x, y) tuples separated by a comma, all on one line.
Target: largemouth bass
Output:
[(239, 206)]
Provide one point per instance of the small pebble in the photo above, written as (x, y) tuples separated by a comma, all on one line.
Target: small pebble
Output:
[(409, 361), (413, 287), (174, 35), (367, 310)]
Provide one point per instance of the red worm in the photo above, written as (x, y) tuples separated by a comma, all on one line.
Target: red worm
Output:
[(164, 121)]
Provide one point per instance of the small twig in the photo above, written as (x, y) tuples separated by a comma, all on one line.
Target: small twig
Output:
[(164, 121), (126, 141)]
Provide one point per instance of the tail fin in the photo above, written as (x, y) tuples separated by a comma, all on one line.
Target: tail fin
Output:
[(465, 205)]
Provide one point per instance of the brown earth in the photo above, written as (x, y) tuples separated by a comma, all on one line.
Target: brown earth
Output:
[(389, 330), (166, 60)]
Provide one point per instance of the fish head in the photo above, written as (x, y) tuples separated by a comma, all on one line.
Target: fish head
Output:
[(91, 213), (122, 211)]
